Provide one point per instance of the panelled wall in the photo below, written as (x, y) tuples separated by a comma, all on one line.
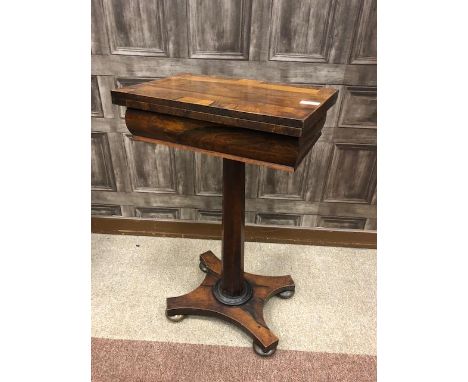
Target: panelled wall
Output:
[(315, 42)]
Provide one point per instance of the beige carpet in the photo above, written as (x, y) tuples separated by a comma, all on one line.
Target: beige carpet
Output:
[(327, 330)]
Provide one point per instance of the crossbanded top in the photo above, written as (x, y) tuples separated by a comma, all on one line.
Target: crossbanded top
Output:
[(272, 107)]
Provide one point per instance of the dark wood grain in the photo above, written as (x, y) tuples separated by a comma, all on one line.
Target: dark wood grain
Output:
[(248, 316), (233, 227), (257, 104), (277, 151), (212, 138)]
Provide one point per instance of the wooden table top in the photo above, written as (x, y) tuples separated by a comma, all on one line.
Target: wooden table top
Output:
[(270, 107)]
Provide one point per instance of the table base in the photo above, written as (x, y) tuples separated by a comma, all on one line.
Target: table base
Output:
[(248, 316)]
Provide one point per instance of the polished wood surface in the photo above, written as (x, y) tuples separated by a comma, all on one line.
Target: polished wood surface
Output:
[(248, 316), (232, 280), (273, 150), (282, 109)]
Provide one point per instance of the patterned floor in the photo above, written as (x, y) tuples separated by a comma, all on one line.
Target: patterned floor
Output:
[(327, 330)]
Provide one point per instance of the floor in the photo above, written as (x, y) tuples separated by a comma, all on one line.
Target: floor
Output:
[(327, 330)]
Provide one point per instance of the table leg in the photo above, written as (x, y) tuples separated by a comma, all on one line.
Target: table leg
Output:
[(232, 288), (227, 291)]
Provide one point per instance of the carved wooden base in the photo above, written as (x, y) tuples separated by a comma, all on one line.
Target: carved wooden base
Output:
[(248, 316)]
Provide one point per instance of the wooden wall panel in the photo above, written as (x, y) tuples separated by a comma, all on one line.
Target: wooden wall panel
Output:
[(352, 176), (341, 222), (274, 71), (228, 20), (99, 38), (151, 167), (359, 108), (96, 104), (208, 175), (306, 42), (279, 219), (281, 185), (159, 213), (301, 30), (105, 210), (136, 27), (365, 42), (371, 224), (209, 216), (102, 173)]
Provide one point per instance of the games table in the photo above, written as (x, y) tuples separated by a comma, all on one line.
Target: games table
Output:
[(241, 121)]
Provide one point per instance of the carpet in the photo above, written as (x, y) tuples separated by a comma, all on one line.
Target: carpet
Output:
[(327, 330)]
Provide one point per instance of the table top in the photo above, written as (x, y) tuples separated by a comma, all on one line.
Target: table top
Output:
[(246, 103)]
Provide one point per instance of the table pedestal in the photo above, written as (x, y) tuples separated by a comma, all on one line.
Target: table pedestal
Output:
[(227, 292)]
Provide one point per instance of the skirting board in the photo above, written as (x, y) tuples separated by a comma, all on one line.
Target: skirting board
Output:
[(212, 231)]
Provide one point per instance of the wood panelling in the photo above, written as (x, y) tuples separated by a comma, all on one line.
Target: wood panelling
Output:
[(99, 38), (371, 224), (271, 71), (341, 222), (226, 20), (105, 83), (208, 175), (365, 43), (96, 104), (301, 30), (102, 173), (359, 108), (159, 213), (352, 176), (282, 206), (209, 216), (307, 42), (136, 27), (105, 210), (151, 167), (278, 219), (277, 184)]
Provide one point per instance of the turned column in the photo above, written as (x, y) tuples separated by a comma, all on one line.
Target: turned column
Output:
[(232, 288), (232, 279)]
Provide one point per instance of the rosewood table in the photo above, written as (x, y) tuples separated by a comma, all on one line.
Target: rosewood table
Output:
[(241, 121)]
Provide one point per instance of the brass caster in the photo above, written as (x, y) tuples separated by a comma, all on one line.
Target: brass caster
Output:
[(286, 294), (203, 267), (257, 349), (175, 317)]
